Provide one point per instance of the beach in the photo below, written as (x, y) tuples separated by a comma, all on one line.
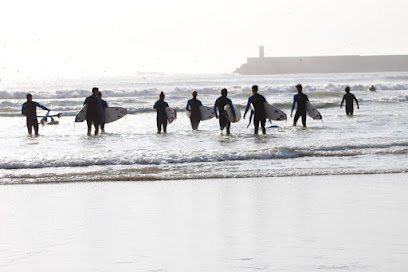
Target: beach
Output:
[(311, 223)]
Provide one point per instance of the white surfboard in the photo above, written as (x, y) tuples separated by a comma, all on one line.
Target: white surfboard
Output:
[(231, 115), (171, 114), (312, 111), (114, 113), (273, 113), (206, 113), (81, 116), (111, 114)]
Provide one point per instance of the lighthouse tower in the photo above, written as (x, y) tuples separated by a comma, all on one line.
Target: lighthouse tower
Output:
[(261, 52)]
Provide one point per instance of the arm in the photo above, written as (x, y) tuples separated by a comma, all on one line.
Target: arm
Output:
[(342, 101), (294, 103), (22, 110), (41, 106), (263, 98), (247, 106), (188, 105), (232, 108), (216, 108)]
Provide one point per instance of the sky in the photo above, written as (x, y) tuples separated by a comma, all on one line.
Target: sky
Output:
[(61, 39)]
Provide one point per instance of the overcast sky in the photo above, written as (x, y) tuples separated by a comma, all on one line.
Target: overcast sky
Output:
[(96, 38)]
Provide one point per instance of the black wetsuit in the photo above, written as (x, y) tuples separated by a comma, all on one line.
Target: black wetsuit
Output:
[(195, 117), (300, 99), (258, 102), (349, 97), (29, 109), (93, 112), (160, 107), (220, 103)]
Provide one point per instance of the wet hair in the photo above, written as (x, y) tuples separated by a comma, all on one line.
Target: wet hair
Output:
[(224, 92), (299, 87), (255, 88), (161, 95), (347, 89), (194, 93), (29, 96), (95, 89)]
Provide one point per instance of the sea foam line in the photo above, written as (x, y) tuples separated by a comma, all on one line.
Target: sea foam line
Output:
[(210, 156), (106, 177)]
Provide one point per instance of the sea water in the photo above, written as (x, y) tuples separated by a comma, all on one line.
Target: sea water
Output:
[(372, 141)]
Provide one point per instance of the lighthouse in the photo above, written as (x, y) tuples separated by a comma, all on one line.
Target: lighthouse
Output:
[(261, 52)]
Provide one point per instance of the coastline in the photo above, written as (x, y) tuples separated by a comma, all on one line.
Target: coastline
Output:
[(100, 179), (310, 223)]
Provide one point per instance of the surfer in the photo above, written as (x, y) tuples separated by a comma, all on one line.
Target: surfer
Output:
[(372, 88), (29, 109), (104, 105), (193, 106), (257, 102), (160, 107), (349, 97), (94, 112), (220, 103), (300, 99)]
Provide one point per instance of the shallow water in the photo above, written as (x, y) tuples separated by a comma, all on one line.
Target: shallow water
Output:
[(373, 141)]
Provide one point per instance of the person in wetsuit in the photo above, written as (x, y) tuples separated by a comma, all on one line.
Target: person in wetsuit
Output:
[(161, 119), (219, 105), (104, 106), (299, 99), (257, 102), (349, 97), (94, 112), (193, 106), (29, 109)]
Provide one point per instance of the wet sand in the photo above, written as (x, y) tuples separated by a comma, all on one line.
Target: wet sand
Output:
[(317, 223)]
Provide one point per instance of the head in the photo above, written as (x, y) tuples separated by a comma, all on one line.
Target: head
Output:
[(347, 89), (254, 89), (299, 88), (95, 91), (224, 92), (29, 97), (194, 94), (99, 94), (162, 96)]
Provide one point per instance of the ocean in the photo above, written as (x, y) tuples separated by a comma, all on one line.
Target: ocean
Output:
[(373, 141)]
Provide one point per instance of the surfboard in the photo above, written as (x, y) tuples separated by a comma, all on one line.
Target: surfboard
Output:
[(312, 111), (111, 114), (231, 115), (273, 113), (171, 114), (54, 115), (81, 116), (206, 113), (114, 113)]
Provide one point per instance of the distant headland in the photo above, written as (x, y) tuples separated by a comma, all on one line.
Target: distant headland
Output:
[(322, 64)]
